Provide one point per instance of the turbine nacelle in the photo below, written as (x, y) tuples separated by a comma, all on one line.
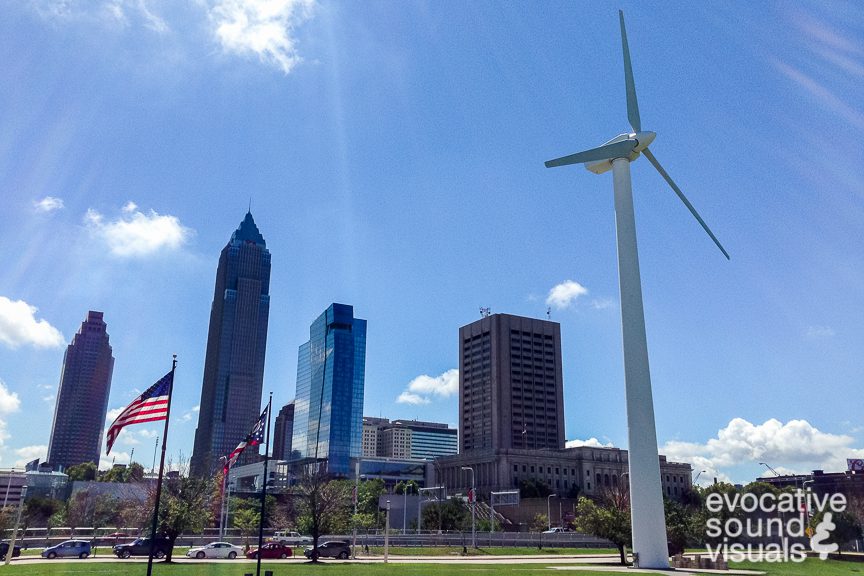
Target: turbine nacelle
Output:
[(641, 140)]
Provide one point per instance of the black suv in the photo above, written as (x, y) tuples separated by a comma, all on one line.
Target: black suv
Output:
[(141, 547), (4, 549)]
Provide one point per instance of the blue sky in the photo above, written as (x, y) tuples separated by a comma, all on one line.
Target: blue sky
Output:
[(393, 155)]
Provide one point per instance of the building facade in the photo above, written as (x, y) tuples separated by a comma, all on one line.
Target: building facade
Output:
[(511, 393), (430, 440), (394, 442), (328, 408), (568, 472), (236, 344), (82, 398), (283, 428)]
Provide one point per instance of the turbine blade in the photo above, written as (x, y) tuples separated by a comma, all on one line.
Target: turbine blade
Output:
[(617, 150), (632, 104), (683, 198)]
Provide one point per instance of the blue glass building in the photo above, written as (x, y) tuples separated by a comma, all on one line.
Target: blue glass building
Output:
[(328, 409)]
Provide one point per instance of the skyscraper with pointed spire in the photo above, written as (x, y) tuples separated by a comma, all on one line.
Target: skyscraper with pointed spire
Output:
[(82, 398), (236, 343)]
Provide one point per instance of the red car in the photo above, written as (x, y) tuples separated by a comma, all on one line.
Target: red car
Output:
[(271, 550)]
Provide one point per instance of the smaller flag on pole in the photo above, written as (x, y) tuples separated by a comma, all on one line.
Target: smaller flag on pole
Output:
[(150, 406), (254, 438)]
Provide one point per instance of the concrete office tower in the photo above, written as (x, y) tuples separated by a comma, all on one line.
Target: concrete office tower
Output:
[(236, 342), (328, 407), (510, 384), (82, 398), (283, 428)]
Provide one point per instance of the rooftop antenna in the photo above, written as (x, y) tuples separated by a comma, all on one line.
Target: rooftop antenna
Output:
[(646, 496), (485, 312), (548, 313), (250, 205)]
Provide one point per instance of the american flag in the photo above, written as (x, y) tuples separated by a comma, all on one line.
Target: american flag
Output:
[(150, 406), (254, 438)]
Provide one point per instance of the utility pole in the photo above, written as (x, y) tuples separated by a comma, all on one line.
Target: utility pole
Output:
[(548, 514), (387, 533), (472, 499)]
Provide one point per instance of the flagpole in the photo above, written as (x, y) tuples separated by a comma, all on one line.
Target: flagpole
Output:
[(264, 489), (161, 469)]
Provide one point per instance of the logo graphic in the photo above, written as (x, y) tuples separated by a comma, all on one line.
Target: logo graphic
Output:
[(823, 532)]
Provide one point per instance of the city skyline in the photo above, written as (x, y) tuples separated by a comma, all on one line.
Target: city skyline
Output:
[(394, 159)]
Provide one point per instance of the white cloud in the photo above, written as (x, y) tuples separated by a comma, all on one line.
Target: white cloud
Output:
[(9, 402), (261, 27), (18, 326), (819, 332), (112, 414), (409, 398), (105, 462), (565, 294), (796, 445), (188, 415), (111, 14), (29, 453), (422, 389), (145, 433), (591, 443), (138, 234), (602, 303), (48, 204)]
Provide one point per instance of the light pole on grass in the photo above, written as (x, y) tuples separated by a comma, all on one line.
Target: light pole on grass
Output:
[(472, 498), (387, 533)]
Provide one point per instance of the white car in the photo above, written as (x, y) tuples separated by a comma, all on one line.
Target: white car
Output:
[(215, 550)]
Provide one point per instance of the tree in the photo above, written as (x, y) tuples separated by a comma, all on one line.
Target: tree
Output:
[(609, 520), (246, 520), (86, 472), (683, 525), (183, 507), (539, 523), (38, 510), (533, 488), (322, 501), (846, 528), (450, 515)]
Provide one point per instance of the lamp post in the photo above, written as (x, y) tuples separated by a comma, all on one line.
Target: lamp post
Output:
[(548, 513), (697, 476), (356, 498), (472, 498), (387, 533), (11, 550)]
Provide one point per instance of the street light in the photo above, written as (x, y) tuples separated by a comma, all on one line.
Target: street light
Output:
[(387, 533), (548, 513), (472, 497), (697, 476)]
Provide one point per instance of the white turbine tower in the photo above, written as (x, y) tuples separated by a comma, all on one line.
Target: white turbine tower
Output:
[(646, 496)]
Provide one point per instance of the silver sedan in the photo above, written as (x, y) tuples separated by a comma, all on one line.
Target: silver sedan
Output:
[(215, 550)]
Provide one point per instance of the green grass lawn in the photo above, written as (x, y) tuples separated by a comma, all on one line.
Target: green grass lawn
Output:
[(301, 568)]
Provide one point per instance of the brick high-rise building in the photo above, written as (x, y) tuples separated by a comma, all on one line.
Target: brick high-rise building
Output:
[(511, 392), (236, 344), (82, 398), (283, 428)]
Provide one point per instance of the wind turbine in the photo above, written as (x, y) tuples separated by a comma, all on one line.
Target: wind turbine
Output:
[(646, 495)]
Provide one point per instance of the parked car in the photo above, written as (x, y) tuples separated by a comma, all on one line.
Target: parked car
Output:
[(141, 547), (291, 538), (215, 550), (557, 530), (67, 549), (271, 550), (331, 549), (4, 549)]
